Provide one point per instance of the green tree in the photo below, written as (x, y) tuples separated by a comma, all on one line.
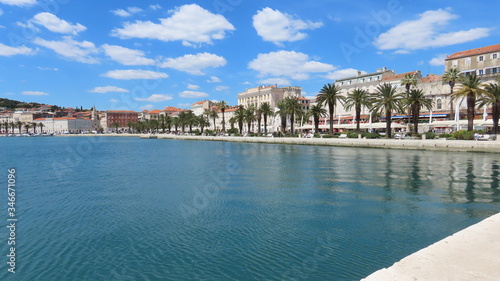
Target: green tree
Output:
[(283, 113), (266, 110), (408, 81), (258, 116), (294, 109), (357, 99), (41, 127), (415, 101), (492, 98), (239, 114), (472, 88), (222, 105), (249, 116), (19, 125), (451, 76), (317, 111), (27, 126), (211, 114), (388, 100), (116, 126), (182, 120), (191, 120), (202, 122), (330, 95)]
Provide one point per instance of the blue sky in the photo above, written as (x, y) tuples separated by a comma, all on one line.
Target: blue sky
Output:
[(135, 55)]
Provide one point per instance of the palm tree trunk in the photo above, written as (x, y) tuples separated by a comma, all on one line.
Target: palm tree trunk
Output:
[(330, 110), (416, 113), (388, 121), (358, 117), (223, 123), (265, 124), (471, 103), (292, 120)]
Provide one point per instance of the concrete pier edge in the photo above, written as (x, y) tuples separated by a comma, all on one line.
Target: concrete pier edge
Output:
[(470, 254), (435, 145)]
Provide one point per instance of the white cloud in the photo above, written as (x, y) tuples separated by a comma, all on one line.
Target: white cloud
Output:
[(20, 3), (275, 26), (221, 88), (55, 24), (146, 107), (214, 79), (1, 12), (342, 73), (438, 60), (48, 68), (127, 56), (134, 74), (34, 93), (113, 100), (185, 105), (192, 94), (190, 24), (193, 87), (155, 7), (107, 89), (272, 81), (71, 49), (8, 51), (156, 98), (423, 33), (290, 64), (126, 13), (194, 64)]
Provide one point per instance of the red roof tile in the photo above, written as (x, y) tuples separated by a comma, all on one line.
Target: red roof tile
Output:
[(472, 52), (431, 78), (156, 111)]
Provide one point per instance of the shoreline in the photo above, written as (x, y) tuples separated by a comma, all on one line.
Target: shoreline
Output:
[(406, 144), (469, 254)]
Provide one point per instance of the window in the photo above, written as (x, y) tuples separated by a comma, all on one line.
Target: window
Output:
[(480, 58), (494, 56), (467, 60), (494, 70), (439, 104), (454, 62), (480, 72)]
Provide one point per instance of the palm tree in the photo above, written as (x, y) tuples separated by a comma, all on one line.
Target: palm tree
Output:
[(330, 94), (388, 100), (222, 106), (294, 110), (191, 120), (34, 125), (451, 76), (317, 111), (266, 110), (115, 125), (416, 100), (27, 126), (357, 99), (258, 116), (239, 114), (182, 120), (163, 123), (232, 120), (283, 113), (12, 126), (408, 81), (175, 122), (19, 124), (202, 122), (492, 98), (211, 114), (41, 127), (249, 116), (472, 89)]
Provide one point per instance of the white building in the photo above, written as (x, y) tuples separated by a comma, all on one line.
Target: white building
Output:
[(66, 125)]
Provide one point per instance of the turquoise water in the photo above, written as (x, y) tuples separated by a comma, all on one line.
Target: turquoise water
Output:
[(131, 209)]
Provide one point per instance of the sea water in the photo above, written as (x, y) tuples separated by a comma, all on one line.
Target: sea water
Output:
[(104, 208)]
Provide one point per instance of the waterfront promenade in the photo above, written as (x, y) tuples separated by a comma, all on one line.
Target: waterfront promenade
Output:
[(470, 254), (411, 144)]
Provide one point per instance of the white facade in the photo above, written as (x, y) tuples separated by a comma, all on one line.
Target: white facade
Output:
[(66, 125)]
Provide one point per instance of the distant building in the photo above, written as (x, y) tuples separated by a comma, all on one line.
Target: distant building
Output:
[(153, 114), (271, 94), (122, 118), (170, 111), (65, 125), (199, 107), (484, 61)]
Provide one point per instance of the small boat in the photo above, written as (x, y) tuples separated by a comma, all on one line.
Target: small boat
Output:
[(149, 136)]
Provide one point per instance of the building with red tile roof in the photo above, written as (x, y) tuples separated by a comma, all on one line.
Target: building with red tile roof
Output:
[(483, 61)]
